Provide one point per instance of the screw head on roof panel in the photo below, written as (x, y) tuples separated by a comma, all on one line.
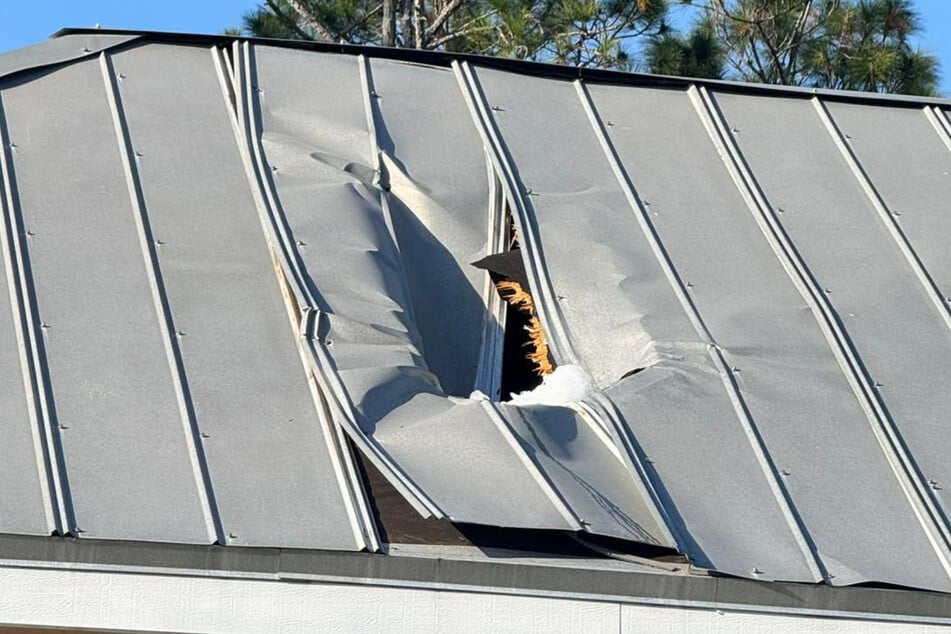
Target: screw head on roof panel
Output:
[(877, 385), (120, 76), (498, 109), (735, 370), (689, 284), (301, 243), (735, 130), (232, 536), (30, 232), (61, 426), (204, 435), (784, 472), (610, 124), (160, 242), (896, 213), (780, 210), (827, 291), (44, 325), (756, 571), (179, 333)]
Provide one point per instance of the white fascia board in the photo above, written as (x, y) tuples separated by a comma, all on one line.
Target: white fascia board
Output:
[(162, 603)]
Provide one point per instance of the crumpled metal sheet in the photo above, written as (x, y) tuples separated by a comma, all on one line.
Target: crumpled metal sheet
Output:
[(757, 291), (353, 259)]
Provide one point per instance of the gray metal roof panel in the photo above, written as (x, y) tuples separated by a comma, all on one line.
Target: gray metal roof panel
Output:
[(115, 409), (60, 50), (269, 453), (788, 377), (778, 431)]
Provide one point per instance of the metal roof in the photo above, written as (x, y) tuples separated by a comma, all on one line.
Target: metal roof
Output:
[(225, 260)]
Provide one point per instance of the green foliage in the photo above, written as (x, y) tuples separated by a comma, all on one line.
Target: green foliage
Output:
[(578, 32), (844, 44)]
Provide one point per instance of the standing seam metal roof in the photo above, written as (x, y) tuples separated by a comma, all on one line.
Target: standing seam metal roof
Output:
[(225, 258)]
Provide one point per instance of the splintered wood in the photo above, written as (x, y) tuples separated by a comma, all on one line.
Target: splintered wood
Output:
[(514, 294)]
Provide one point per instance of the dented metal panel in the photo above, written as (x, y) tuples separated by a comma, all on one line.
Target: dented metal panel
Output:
[(616, 297), (268, 455), (791, 382)]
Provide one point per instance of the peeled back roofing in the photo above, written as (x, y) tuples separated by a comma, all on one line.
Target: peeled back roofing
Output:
[(226, 261)]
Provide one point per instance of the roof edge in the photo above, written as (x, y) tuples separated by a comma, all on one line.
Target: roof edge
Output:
[(538, 69), (474, 576)]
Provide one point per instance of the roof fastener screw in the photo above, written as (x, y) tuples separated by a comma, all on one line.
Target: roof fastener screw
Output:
[(947, 300), (301, 243), (735, 130), (159, 242), (77, 530), (896, 213), (232, 536), (877, 385), (14, 146), (827, 291), (179, 333), (63, 426), (689, 284), (274, 168), (780, 210), (610, 124), (784, 472), (44, 325), (30, 232), (138, 154), (86, 49), (647, 203), (735, 370), (498, 109), (756, 571), (848, 136), (120, 76), (934, 484), (204, 435)]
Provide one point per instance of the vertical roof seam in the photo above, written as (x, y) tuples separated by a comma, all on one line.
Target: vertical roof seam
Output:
[(849, 361), (536, 269), (382, 188), (28, 352), (939, 121), (884, 213), (163, 313), (743, 415)]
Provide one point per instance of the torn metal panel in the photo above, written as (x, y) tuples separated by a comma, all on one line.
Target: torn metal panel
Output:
[(787, 374), (439, 209), (60, 50), (269, 454), (593, 266), (873, 290), (357, 274), (115, 408)]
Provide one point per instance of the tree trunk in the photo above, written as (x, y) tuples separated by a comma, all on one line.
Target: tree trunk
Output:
[(388, 37)]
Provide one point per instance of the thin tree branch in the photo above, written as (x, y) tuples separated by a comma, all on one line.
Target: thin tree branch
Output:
[(310, 21)]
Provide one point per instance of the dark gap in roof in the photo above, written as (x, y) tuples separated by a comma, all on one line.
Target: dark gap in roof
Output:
[(518, 372), (396, 520), (623, 547)]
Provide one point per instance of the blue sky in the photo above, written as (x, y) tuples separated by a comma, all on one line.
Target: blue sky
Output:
[(23, 23)]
